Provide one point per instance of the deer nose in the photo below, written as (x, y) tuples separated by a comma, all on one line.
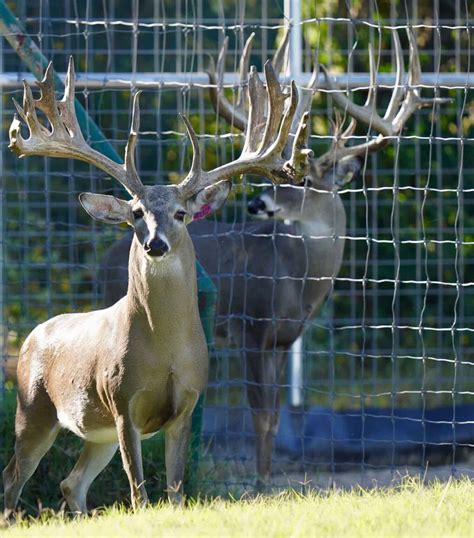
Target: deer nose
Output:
[(156, 247), (256, 205)]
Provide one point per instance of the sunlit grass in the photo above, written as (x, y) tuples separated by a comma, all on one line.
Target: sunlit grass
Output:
[(441, 509)]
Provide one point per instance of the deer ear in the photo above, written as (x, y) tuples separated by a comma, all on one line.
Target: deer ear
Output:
[(105, 208), (209, 199), (347, 170)]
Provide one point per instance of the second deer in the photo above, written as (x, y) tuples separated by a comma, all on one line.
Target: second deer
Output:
[(273, 277)]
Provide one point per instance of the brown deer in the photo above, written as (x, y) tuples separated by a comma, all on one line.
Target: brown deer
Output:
[(272, 276), (118, 375)]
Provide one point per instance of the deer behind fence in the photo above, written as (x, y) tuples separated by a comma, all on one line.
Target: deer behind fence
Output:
[(273, 277)]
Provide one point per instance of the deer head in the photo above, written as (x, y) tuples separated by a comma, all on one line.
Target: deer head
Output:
[(341, 163)]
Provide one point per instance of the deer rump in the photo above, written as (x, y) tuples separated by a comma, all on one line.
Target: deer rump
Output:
[(270, 279)]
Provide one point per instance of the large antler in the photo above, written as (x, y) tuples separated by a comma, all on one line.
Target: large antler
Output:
[(265, 138), (275, 123), (236, 114), (64, 137), (404, 102)]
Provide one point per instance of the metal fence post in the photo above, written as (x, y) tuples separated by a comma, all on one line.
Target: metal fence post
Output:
[(295, 361)]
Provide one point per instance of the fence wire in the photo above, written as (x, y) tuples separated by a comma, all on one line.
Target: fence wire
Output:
[(390, 348)]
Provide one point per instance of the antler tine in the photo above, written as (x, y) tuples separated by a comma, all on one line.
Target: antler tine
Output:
[(256, 115), (276, 103), (66, 106), (220, 102), (371, 101), (242, 98), (341, 136), (280, 56), (221, 61), (47, 102), (28, 115), (413, 100), (300, 160), (337, 124), (397, 94), (262, 154), (133, 135), (350, 129), (65, 138), (304, 106), (133, 179), (284, 131), (193, 179), (394, 119), (235, 114), (196, 164), (313, 82)]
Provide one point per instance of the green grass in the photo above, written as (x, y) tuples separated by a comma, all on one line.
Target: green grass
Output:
[(441, 509)]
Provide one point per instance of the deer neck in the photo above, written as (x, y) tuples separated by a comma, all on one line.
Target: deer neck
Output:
[(324, 216), (162, 289)]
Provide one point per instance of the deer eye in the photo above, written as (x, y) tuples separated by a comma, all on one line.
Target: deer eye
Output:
[(179, 215), (138, 214)]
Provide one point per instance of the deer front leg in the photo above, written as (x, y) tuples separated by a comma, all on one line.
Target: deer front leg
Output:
[(177, 436), (131, 452)]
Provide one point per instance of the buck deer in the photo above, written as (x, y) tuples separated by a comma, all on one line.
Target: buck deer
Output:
[(118, 375), (272, 277)]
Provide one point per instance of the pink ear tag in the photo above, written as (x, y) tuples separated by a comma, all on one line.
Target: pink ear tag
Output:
[(203, 212)]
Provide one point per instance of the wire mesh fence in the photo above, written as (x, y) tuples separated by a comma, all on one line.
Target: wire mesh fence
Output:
[(388, 371)]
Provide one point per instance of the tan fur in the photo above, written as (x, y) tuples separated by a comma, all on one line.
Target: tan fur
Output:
[(116, 375)]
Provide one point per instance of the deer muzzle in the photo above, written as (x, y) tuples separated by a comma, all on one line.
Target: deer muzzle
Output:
[(156, 247), (256, 206)]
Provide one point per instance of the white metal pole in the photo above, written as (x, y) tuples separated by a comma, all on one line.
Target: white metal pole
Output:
[(296, 373), (293, 16), (154, 81), (295, 64)]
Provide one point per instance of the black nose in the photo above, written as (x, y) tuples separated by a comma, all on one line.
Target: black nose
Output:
[(156, 247), (256, 205)]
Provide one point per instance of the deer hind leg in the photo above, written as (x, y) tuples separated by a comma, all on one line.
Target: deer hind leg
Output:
[(93, 459), (264, 372), (36, 431)]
